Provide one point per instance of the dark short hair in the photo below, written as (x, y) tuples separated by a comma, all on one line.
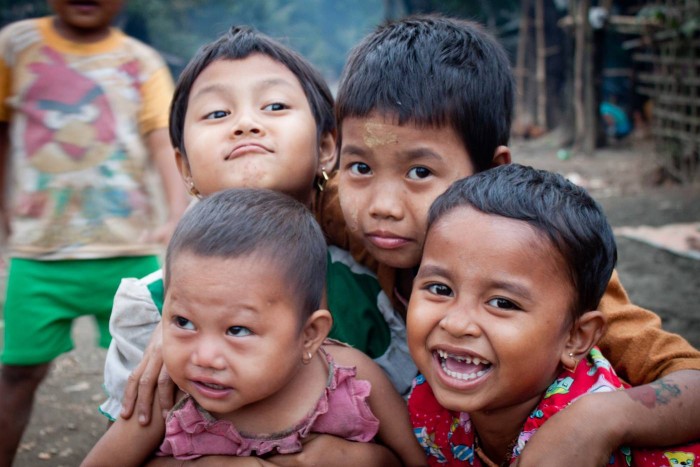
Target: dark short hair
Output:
[(244, 221), (569, 217), (238, 43), (433, 71)]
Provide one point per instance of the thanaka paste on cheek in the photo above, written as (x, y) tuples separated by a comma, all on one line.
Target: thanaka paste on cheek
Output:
[(377, 135)]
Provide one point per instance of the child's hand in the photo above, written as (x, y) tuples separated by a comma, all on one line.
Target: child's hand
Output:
[(582, 435), (321, 450), (142, 382)]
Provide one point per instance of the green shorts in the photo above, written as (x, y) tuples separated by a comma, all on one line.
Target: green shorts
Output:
[(44, 297)]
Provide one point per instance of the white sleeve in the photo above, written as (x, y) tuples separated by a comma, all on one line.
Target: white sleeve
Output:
[(134, 317)]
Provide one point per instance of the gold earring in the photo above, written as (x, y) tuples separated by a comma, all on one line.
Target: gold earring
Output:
[(576, 362), (308, 358), (192, 190), (322, 180)]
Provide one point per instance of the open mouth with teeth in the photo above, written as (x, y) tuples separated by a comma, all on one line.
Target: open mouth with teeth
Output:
[(212, 385), (462, 367)]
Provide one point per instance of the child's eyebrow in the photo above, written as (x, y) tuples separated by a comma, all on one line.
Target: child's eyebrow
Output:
[(514, 288), (272, 82), (431, 270), (214, 88)]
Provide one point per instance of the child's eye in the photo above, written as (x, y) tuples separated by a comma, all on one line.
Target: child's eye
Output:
[(440, 289), (418, 173), (360, 168), (216, 114), (239, 331), (503, 303), (183, 323), (275, 107)]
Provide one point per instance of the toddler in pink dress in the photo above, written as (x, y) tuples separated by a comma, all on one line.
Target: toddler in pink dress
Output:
[(246, 343)]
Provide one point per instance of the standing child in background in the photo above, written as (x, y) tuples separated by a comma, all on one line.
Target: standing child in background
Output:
[(84, 112), (503, 317), (426, 101), (245, 340), (273, 127)]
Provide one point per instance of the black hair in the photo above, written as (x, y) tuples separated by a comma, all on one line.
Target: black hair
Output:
[(433, 71), (571, 219), (244, 221), (238, 43)]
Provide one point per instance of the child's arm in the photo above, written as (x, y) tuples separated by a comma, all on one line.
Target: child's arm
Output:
[(661, 413), (163, 157), (4, 166), (635, 343), (395, 430), (127, 443), (133, 325)]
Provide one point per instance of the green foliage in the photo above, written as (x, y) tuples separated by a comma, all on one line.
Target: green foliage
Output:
[(321, 30)]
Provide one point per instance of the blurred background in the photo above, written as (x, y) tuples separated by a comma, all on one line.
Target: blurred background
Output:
[(608, 94)]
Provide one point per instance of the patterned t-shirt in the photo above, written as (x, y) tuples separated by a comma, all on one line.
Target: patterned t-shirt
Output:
[(78, 115), (448, 436)]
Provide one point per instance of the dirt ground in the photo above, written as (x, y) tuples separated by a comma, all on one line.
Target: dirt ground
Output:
[(65, 422)]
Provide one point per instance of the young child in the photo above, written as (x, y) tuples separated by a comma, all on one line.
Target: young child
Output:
[(245, 340), (425, 101), (84, 114), (271, 127), (503, 316)]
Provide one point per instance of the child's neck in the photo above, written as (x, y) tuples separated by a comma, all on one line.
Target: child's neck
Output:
[(496, 432), (79, 35), (403, 286), (286, 408)]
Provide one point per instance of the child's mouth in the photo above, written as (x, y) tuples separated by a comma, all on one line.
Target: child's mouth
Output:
[(462, 367)]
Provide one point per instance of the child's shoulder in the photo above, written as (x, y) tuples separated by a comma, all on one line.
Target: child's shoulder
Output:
[(20, 33), (347, 356)]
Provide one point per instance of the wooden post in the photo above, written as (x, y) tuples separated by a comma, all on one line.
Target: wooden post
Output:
[(521, 71), (541, 65)]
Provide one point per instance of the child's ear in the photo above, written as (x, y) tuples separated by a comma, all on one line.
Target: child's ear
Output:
[(501, 156), (327, 154), (315, 330), (584, 334)]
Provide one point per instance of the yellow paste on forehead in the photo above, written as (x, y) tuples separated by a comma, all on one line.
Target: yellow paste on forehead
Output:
[(377, 135)]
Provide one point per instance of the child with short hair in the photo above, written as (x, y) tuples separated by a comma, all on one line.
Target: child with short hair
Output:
[(83, 115), (423, 102), (272, 126), (245, 341), (503, 318)]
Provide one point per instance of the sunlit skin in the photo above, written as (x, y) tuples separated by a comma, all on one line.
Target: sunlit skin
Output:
[(389, 176), (496, 290), (249, 124), (236, 345), (85, 21)]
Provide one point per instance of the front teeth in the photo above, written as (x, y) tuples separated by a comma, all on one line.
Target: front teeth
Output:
[(214, 386), (462, 376), (471, 360)]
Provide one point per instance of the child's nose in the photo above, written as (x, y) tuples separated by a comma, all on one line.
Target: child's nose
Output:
[(386, 202), (461, 321), (207, 355), (246, 124)]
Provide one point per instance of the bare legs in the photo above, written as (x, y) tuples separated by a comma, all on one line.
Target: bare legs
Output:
[(18, 384)]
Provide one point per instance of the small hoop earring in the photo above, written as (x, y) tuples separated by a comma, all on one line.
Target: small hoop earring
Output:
[(576, 362), (192, 190), (322, 180), (308, 358)]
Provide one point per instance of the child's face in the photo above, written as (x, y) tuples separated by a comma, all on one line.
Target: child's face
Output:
[(249, 124), (389, 177), (90, 16), (230, 330), (488, 319)]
